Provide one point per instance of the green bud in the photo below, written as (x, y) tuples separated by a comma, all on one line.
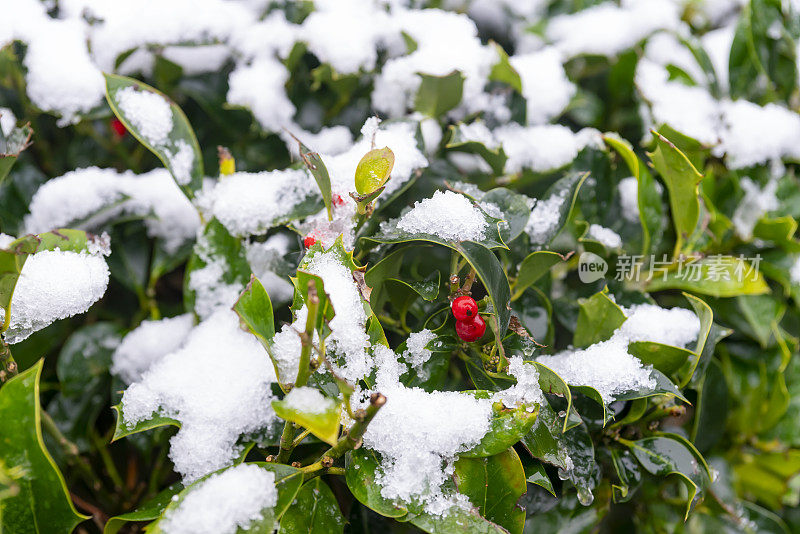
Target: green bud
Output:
[(373, 170)]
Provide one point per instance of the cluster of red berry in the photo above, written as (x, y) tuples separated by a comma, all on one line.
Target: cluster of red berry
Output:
[(470, 326)]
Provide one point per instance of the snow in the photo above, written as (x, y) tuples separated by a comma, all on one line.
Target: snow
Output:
[(259, 86), (133, 24), (648, 322), (273, 35), (224, 503), (266, 259), (252, 203), (6, 240), (756, 203), (794, 271), (605, 236), (526, 392), (308, 400), (348, 344), (92, 196), (608, 367), (148, 343), (445, 42), (360, 28), (72, 197), (181, 162), (607, 29), (447, 215), (348, 338), (628, 189), (388, 367), (54, 284), (544, 217), (545, 85), (148, 112), (419, 436), (60, 74), (690, 110), (538, 148), (7, 121), (752, 134), (605, 366), (217, 385), (210, 289), (416, 353), (330, 141), (479, 133)]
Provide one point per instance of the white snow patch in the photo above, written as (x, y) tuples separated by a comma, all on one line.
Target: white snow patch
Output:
[(224, 503), (252, 203), (605, 236), (446, 214), (148, 112), (605, 366), (308, 400), (54, 284), (147, 344), (545, 85), (756, 203), (670, 326), (608, 29), (628, 189), (217, 385)]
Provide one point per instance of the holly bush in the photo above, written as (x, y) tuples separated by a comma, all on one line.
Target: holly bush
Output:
[(380, 267)]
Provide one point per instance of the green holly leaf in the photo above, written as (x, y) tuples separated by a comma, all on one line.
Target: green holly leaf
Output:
[(11, 146), (682, 181), (314, 511), (533, 267), (598, 318), (147, 511), (666, 358), (666, 455), (651, 211), (717, 276), (42, 499), (217, 244), (571, 451), (494, 484), (179, 151), (457, 520), (458, 141), (628, 474), (362, 468), (439, 94), (508, 425), (322, 421), (254, 309), (566, 189), (319, 171), (535, 473), (123, 428), (503, 71)]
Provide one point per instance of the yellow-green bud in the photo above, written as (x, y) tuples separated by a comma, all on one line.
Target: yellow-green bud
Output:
[(227, 165), (373, 170)]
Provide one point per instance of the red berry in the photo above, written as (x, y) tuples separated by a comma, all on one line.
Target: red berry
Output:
[(309, 241), (337, 200), (464, 308), (118, 128), (471, 331)]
